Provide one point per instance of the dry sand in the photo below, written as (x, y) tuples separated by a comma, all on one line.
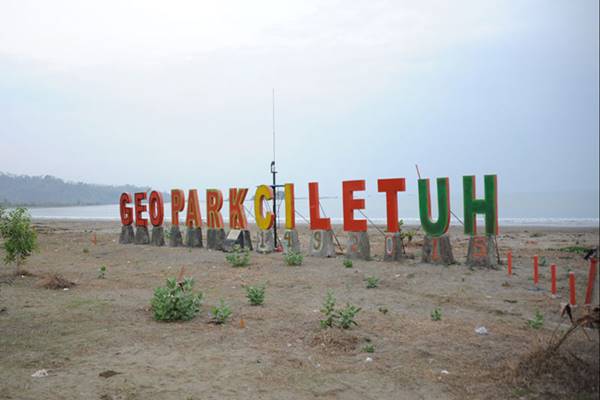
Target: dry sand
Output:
[(104, 325)]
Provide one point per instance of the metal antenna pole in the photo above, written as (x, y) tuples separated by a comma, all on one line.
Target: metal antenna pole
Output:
[(274, 173)]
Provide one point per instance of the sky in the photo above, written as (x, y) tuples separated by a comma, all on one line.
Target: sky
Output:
[(179, 93)]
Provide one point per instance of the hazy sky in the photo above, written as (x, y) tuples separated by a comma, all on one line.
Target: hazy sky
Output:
[(179, 93)]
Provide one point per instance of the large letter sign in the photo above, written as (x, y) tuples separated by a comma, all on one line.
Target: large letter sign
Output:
[(126, 212), (290, 207), (264, 222), (214, 203), (440, 227), (156, 208), (488, 206), (237, 216), (391, 187), (177, 205), (193, 218), (351, 204), (316, 222)]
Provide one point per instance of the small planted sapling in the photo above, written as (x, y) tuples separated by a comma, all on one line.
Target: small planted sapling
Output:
[(347, 263), (537, 321), (293, 258), (176, 301), (102, 272), (220, 313), (436, 314), (238, 257), (372, 282), (255, 295)]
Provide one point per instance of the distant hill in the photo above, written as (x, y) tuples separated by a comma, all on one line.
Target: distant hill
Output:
[(24, 190)]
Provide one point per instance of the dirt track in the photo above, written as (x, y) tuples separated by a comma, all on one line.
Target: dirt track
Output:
[(281, 353)]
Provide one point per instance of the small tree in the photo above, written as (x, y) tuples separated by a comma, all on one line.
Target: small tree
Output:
[(19, 237)]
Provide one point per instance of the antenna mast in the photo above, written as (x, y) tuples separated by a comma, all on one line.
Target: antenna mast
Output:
[(274, 186)]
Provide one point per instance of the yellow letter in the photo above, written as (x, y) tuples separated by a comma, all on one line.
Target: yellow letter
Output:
[(264, 222)]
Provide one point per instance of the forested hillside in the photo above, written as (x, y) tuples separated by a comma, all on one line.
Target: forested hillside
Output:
[(24, 190)]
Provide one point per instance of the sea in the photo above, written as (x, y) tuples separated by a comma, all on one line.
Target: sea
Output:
[(551, 210)]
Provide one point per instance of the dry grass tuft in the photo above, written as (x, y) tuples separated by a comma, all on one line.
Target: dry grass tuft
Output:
[(334, 341), (54, 281)]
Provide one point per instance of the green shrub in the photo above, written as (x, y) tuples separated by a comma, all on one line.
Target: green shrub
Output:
[(538, 320), (342, 318), (436, 314), (255, 294), (220, 313), (102, 272), (372, 282), (293, 258), (574, 249), (20, 239), (369, 348), (346, 316), (347, 263), (328, 310), (238, 257), (176, 301)]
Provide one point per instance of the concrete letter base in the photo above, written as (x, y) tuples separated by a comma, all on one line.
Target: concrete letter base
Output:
[(237, 237), (193, 238), (393, 250), (175, 240), (482, 252), (291, 242), (321, 244), (265, 243), (215, 238), (437, 250), (141, 235), (127, 236), (358, 246), (158, 236)]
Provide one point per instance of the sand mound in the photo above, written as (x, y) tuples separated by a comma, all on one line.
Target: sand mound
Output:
[(54, 281)]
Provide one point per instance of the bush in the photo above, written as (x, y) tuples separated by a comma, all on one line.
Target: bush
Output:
[(176, 301), (220, 313), (102, 272), (293, 258), (343, 318), (255, 294), (436, 314), (346, 316), (328, 310), (369, 348), (347, 263), (538, 320), (238, 257), (20, 239), (372, 282)]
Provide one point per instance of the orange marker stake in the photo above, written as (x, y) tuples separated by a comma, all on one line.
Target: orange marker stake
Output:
[(94, 238), (553, 273), (509, 263), (572, 300), (591, 281), (536, 274)]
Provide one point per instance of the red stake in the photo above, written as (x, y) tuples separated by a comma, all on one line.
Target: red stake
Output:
[(509, 263), (591, 281), (536, 274), (553, 273), (572, 300)]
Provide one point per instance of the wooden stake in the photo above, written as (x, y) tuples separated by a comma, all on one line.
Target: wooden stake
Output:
[(536, 272), (572, 299), (553, 273), (591, 281), (510, 263)]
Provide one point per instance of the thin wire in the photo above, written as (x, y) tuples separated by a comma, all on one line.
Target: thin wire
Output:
[(371, 222)]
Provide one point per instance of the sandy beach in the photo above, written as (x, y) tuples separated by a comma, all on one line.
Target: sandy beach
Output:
[(279, 350)]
